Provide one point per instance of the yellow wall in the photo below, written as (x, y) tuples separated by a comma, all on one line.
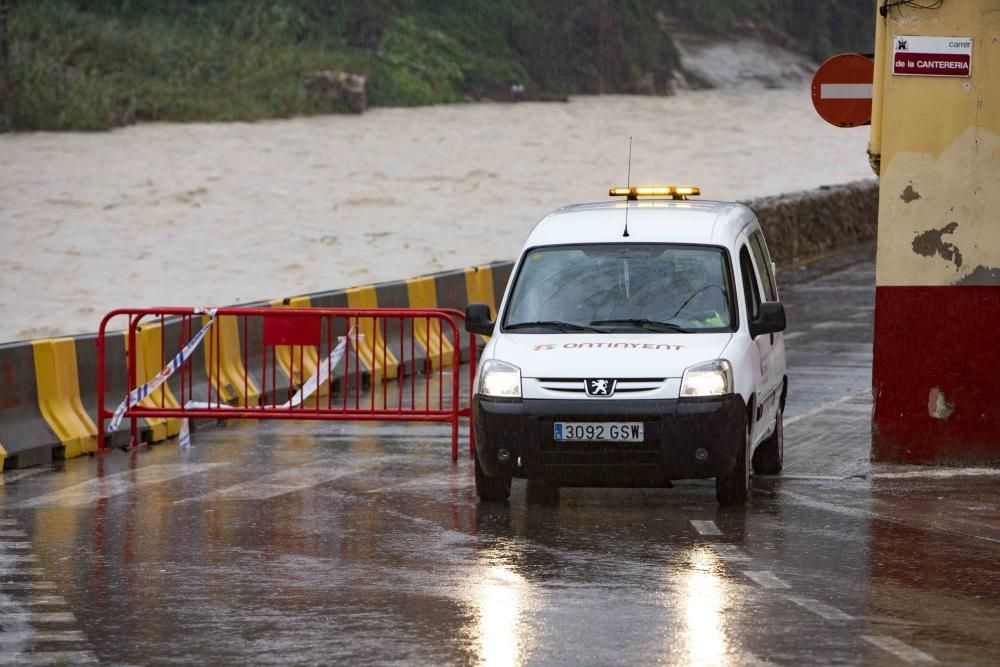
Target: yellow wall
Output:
[(939, 208)]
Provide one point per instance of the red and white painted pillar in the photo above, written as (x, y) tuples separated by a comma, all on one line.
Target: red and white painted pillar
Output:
[(936, 139)]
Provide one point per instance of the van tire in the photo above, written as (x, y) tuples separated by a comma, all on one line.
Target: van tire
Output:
[(769, 458), (733, 487), (491, 489)]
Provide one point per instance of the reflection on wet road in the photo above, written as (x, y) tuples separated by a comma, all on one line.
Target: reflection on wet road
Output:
[(308, 543)]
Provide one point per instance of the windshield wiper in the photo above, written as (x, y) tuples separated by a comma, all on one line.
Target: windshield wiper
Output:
[(646, 324), (551, 324)]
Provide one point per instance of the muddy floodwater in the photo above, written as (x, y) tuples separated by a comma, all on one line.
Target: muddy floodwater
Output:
[(171, 214)]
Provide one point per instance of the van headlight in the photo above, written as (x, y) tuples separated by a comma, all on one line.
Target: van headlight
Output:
[(713, 378), (499, 379)]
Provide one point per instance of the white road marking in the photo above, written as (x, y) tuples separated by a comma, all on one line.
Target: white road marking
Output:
[(40, 617), (888, 620), (839, 325), (846, 510), (13, 533), (432, 481), (41, 601), (826, 406), (22, 642), (42, 636), (864, 513), (766, 578), (89, 492), (4, 546), (940, 473), (705, 527), (900, 649), (812, 373), (730, 552), (794, 334), (18, 558), (857, 410), (48, 658), (19, 570), (27, 586), (282, 482), (22, 474), (8, 522), (818, 478), (820, 609)]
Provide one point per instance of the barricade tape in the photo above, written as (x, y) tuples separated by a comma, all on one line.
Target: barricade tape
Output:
[(323, 372), (184, 436), (145, 390), (319, 378)]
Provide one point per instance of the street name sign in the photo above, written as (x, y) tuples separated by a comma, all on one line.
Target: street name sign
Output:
[(917, 55)]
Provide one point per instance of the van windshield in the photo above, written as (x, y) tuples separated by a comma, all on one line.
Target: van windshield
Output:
[(622, 287)]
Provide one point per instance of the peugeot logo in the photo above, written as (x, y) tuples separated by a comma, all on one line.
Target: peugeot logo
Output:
[(600, 387)]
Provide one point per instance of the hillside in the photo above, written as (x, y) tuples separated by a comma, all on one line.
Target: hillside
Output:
[(96, 64)]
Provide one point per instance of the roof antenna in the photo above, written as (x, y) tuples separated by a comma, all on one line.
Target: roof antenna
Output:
[(628, 184)]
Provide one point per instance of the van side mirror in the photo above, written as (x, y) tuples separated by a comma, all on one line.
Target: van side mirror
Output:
[(478, 320), (770, 320)]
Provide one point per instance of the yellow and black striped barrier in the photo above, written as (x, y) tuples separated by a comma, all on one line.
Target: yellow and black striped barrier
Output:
[(48, 392)]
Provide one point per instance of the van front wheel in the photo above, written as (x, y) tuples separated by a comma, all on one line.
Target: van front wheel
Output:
[(733, 487), (491, 489), (770, 455)]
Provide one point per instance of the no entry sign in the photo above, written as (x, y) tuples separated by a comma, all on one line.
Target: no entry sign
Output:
[(842, 90), (932, 56)]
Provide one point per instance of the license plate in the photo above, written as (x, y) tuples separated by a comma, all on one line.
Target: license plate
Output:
[(599, 431)]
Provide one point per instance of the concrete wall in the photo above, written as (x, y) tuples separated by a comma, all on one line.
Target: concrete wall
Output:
[(48, 395), (936, 140)]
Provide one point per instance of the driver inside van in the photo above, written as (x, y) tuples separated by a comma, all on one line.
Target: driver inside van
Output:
[(665, 291)]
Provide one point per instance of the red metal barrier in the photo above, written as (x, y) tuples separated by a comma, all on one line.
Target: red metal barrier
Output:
[(401, 365)]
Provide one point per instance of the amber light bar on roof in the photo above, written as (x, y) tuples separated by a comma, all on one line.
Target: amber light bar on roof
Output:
[(675, 191)]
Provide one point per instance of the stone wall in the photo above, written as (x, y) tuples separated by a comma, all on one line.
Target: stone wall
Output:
[(814, 222)]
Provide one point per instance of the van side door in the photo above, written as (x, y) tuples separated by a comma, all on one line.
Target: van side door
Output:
[(765, 271), (753, 297)]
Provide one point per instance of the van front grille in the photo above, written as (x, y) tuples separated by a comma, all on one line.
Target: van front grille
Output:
[(622, 385), (600, 453)]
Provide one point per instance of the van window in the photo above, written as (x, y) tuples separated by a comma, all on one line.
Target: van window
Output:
[(763, 261), (658, 288), (750, 289)]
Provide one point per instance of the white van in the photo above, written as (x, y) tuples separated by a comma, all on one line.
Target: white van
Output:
[(638, 342)]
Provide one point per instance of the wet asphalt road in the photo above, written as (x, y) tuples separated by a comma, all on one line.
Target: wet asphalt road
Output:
[(310, 543)]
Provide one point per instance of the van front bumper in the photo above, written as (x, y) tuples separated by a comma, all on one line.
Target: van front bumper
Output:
[(673, 431)]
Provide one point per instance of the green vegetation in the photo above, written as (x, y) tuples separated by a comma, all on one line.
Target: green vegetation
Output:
[(95, 64)]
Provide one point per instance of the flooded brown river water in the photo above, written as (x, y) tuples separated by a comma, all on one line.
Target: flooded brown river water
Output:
[(171, 214)]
